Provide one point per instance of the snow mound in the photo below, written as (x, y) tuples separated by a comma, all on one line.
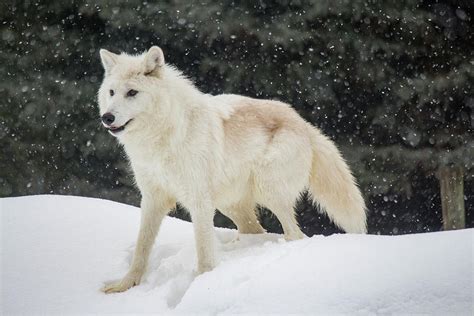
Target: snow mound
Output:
[(57, 251)]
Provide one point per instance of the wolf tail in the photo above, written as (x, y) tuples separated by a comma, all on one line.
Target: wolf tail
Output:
[(333, 186)]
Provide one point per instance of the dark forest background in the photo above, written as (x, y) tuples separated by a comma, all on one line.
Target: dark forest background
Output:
[(390, 81)]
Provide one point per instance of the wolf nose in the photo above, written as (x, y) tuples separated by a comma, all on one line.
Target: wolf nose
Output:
[(108, 118)]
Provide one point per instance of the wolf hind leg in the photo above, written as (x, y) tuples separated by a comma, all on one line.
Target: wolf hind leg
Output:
[(283, 208), (281, 177), (244, 217), (280, 197)]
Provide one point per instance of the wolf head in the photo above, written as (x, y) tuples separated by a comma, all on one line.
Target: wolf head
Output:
[(135, 93)]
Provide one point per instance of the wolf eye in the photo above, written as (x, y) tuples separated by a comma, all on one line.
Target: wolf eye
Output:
[(132, 93), (111, 92)]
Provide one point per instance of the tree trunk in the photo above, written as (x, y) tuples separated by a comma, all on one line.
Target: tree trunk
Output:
[(452, 197)]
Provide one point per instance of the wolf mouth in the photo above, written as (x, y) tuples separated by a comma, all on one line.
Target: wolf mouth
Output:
[(115, 130)]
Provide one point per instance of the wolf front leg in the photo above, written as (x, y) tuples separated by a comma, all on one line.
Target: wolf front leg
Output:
[(202, 215), (153, 209)]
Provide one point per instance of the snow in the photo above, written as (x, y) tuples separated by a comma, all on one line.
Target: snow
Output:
[(57, 251)]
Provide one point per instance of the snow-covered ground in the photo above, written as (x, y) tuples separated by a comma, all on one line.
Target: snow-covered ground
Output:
[(57, 251)]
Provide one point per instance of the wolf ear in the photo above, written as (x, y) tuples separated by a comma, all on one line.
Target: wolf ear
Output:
[(109, 60), (154, 59)]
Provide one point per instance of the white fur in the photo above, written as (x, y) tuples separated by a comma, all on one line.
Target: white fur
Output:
[(227, 152)]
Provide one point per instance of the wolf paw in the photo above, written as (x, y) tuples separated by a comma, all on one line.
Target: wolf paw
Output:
[(205, 267), (121, 286)]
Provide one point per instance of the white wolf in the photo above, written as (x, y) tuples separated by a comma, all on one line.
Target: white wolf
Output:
[(225, 152)]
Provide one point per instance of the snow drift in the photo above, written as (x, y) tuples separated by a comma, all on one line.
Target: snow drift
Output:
[(57, 251)]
